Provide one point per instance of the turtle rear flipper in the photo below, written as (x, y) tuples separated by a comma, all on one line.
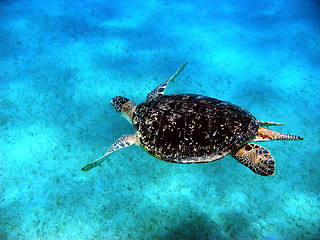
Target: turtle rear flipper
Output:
[(267, 123), (257, 158), (265, 134), (124, 141)]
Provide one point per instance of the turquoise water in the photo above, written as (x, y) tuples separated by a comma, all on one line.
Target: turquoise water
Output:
[(63, 61)]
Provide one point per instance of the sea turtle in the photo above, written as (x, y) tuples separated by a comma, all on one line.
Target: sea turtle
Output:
[(188, 128)]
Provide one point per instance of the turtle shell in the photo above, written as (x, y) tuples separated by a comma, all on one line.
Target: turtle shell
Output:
[(191, 128)]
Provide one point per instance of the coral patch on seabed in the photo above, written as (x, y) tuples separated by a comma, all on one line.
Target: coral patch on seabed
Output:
[(63, 61)]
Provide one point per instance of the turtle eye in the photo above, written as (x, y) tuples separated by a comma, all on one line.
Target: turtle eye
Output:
[(124, 108), (118, 102)]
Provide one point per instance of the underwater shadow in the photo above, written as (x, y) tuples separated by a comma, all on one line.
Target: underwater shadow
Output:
[(191, 223), (196, 226)]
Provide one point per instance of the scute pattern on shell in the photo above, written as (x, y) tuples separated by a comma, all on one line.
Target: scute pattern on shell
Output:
[(176, 128)]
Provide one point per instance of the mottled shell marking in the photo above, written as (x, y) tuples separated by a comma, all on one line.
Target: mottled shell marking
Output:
[(186, 128)]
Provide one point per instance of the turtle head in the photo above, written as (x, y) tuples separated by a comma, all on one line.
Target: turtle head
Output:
[(125, 106)]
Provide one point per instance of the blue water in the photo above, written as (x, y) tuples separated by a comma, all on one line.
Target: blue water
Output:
[(63, 61)]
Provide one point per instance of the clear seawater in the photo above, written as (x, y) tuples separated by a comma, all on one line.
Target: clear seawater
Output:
[(61, 62)]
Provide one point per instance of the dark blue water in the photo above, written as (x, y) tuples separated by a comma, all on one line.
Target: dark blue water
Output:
[(63, 61)]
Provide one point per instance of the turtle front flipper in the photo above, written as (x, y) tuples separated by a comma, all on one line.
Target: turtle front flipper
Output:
[(257, 158), (124, 141), (160, 89)]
